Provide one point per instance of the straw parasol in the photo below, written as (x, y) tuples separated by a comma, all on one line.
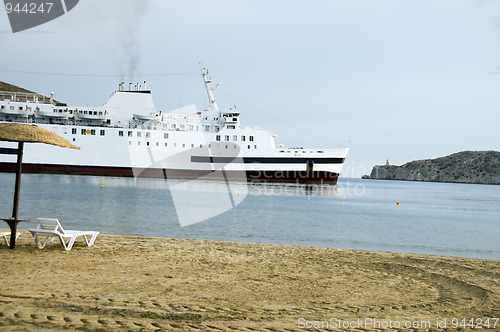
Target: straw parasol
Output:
[(19, 132)]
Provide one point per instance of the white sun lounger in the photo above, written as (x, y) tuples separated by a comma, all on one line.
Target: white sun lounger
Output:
[(50, 228), (5, 234)]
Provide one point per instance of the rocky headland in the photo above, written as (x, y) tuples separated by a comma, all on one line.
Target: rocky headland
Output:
[(482, 167)]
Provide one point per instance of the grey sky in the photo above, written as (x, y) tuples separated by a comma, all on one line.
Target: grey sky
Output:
[(401, 80)]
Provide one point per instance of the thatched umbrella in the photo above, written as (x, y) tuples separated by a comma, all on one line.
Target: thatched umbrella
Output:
[(19, 132)]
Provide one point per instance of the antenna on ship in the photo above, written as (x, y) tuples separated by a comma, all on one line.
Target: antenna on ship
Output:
[(209, 87)]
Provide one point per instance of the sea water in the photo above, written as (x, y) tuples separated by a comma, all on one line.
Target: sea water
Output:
[(431, 218)]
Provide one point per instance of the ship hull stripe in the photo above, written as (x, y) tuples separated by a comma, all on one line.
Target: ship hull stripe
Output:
[(315, 177), (266, 160), (8, 151)]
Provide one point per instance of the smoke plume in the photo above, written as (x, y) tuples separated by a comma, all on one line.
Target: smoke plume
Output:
[(114, 27), (130, 15)]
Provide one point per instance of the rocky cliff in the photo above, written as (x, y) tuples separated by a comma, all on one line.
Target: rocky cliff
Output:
[(464, 167)]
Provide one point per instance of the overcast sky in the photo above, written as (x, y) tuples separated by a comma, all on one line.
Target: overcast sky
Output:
[(398, 80)]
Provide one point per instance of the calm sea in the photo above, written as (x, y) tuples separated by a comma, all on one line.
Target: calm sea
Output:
[(432, 218)]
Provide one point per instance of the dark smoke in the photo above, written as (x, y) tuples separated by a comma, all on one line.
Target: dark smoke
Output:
[(130, 15), (114, 27)]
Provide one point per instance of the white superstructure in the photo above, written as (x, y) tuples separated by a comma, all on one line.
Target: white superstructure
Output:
[(129, 136)]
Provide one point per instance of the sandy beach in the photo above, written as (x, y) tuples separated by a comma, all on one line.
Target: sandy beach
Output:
[(139, 283)]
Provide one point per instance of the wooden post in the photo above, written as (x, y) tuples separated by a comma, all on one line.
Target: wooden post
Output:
[(15, 208)]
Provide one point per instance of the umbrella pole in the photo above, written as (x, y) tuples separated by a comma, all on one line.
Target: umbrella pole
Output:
[(15, 209)]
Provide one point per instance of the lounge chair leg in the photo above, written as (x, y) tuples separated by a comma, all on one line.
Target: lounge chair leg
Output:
[(37, 241), (92, 240), (67, 245), (6, 240)]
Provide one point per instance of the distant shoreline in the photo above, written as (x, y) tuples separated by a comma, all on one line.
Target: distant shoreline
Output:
[(367, 177), (471, 167)]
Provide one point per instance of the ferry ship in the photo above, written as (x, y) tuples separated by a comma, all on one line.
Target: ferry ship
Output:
[(129, 136)]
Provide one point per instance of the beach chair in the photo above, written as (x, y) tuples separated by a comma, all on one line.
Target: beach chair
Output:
[(5, 234), (48, 229)]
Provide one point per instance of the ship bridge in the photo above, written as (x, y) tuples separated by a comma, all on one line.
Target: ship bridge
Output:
[(231, 119)]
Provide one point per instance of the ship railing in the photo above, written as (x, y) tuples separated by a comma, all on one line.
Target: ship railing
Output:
[(23, 97)]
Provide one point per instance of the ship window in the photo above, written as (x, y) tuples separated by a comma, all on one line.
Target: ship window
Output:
[(139, 143), (201, 145), (251, 139), (226, 138), (92, 132), (226, 146), (148, 134), (103, 132), (139, 134), (207, 128), (235, 137), (165, 135), (129, 134), (165, 144), (231, 127), (147, 143), (175, 144), (20, 108), (83, 132), (173, 126), (120, 133), (183, 145), (243, 138), (255, 146), (249, 147), (217, 138), (12, 108), (156, 143), (129, 142), (3, 107), (73, 131), (192, 145)]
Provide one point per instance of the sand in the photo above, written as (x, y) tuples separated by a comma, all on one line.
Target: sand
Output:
[(139, 283)]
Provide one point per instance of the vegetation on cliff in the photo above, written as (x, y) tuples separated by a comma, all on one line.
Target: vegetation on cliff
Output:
[(463, 167)]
